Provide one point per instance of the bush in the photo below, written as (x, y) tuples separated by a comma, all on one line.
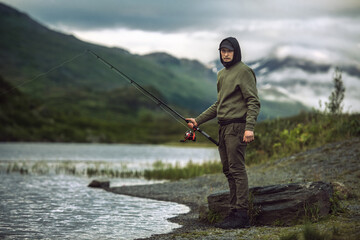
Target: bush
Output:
[(283, 137)]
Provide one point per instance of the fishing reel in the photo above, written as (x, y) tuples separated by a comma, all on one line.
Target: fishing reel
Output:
[(189, 135)]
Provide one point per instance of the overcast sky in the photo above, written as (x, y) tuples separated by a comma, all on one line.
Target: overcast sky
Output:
[(324, 30)]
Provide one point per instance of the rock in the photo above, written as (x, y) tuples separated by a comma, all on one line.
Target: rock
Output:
[(283, 204), (340, 190), (99, 184)]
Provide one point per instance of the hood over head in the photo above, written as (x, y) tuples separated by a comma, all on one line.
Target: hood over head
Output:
[(229, 43)]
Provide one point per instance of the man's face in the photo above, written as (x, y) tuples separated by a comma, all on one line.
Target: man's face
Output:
[(227, 55)]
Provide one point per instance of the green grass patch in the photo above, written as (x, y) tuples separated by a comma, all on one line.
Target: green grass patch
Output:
[(169, 172), (279, 138), (312, 232)]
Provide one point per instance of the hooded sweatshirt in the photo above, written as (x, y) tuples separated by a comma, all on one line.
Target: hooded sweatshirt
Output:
[(237, 51), (237, 93)]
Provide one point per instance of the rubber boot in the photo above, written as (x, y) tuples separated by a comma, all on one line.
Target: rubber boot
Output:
[(235, 219)]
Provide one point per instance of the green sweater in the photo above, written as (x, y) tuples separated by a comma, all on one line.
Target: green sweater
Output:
[(237, 96)]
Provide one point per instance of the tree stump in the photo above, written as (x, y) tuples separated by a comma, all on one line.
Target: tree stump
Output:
[(283, 204)]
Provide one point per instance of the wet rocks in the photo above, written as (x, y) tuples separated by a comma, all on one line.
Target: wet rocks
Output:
[(282, 204), (99, 184)]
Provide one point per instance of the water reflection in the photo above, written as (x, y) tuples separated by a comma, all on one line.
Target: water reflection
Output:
[(111, 160), (130, 154), (62, 207)]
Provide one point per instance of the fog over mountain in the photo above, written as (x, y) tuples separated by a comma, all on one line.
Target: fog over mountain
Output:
[(294, 46), (308, 77), (193, 29), (299, 73)]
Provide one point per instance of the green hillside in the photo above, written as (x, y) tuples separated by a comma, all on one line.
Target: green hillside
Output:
[(83, 100), (28, 49)]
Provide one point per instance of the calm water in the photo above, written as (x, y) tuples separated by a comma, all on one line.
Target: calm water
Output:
[(131, 156), (60, 206)]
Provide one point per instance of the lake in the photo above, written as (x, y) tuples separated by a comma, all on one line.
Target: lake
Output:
[(54, 205)]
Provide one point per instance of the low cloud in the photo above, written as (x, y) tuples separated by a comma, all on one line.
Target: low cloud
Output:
[(310, 88), (165, 15), (193, 29), (323, 31)]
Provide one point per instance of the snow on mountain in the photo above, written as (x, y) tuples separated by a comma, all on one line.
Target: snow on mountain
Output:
[(306, 75)]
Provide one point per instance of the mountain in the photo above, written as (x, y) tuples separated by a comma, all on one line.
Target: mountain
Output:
[(304, 77), (63, 93), (28, 49), (308, 79)]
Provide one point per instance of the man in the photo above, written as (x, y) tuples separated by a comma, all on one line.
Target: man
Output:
[(236, 108)]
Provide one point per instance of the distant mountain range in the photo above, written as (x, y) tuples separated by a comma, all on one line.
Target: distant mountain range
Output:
[(304, 78), (28, 49), (309, 81)]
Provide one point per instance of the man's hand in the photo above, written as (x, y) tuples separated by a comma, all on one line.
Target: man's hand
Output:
[(191, 122), (248, 136)]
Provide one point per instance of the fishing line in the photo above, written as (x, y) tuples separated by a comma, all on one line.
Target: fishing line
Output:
[(174, 117), (160, 105), (148, 94), (44, 73), (73, 59), (159, 102)]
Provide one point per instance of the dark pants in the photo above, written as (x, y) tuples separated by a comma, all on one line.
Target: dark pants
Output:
[(232, 154)]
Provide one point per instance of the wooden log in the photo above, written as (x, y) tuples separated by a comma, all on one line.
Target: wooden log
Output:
[(283, 204)]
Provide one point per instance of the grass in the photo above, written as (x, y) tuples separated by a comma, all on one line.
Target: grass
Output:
[(325, 230), (283, 137), (313, 232), (160, 170), (176, 172), (274, 139), (330, 230), (71, 168)]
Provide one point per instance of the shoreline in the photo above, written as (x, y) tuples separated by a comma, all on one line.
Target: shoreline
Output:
[(331, 162), (190, 192)]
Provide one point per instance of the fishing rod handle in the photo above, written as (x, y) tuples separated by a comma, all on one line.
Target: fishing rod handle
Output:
[(206, 135)]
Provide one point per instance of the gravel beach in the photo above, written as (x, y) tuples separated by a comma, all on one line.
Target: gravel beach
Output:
[(335, 162)]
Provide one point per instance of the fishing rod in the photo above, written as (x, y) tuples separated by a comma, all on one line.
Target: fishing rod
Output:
[(189, 135)]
